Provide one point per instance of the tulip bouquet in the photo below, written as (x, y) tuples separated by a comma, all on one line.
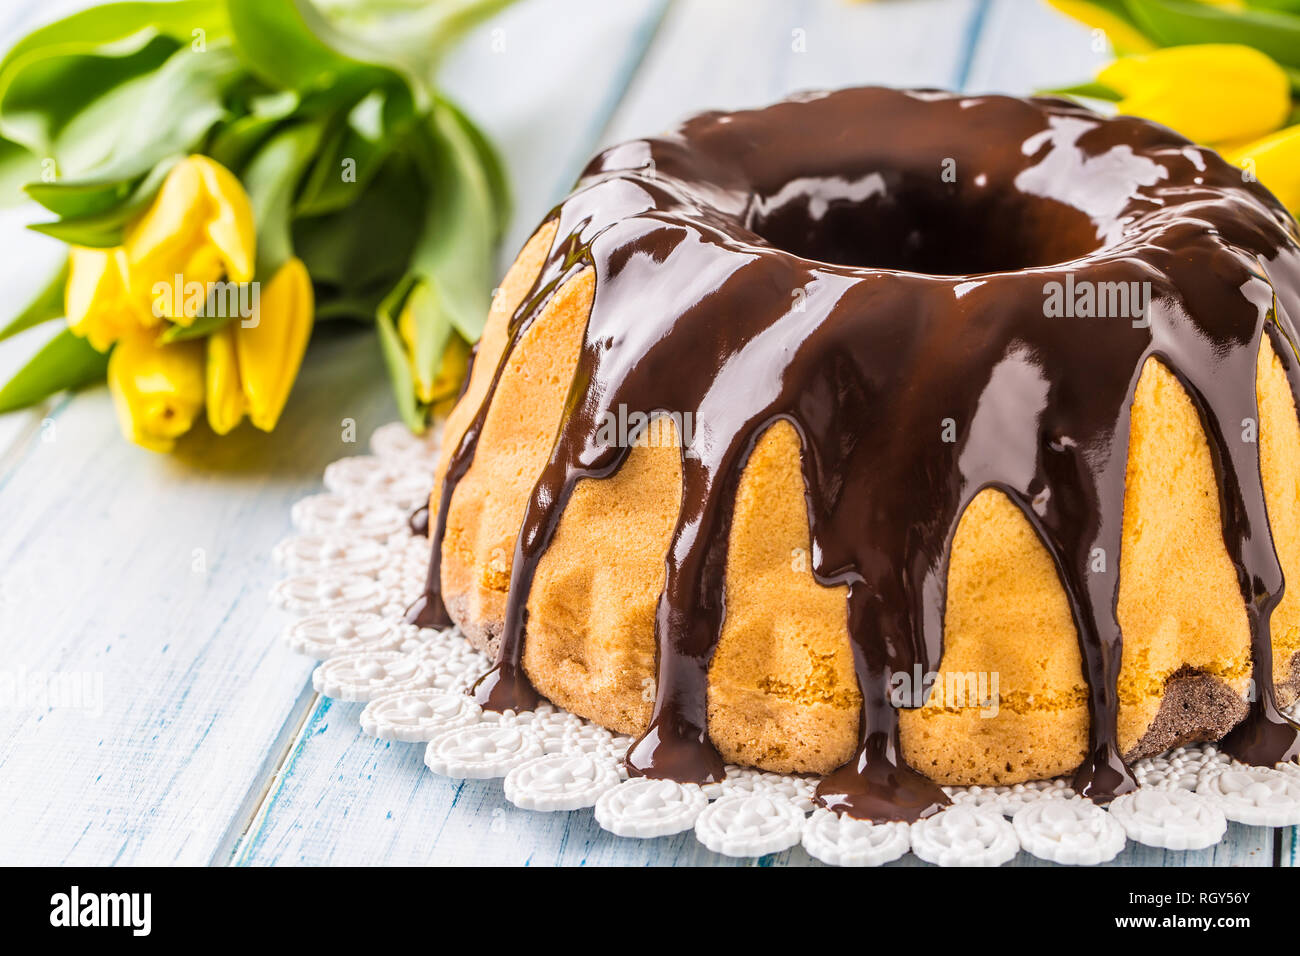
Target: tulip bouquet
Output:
[(1225, 73), (225, 174)]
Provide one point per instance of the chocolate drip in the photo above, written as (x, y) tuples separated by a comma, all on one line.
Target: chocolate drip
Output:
[(876, 784), (418, 522), (813, 263), (428, 610), (1266, 736)]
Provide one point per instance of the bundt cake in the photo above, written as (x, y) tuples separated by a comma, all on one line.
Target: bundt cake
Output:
[(899, 437)]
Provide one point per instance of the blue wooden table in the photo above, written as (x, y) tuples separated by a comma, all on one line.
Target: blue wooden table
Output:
[(155, 716)]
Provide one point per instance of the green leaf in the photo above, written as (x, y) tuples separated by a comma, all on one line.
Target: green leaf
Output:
[(1092, 91), (95, 232), (357, 305), (47, 304), (432, 331), (290, 45), (59, 82), (76, 200), (1293, 77), (272, 178), (234, 142), (371, 241), (412, 39), (354, 153), (65, 107), (1182, 22), (99, 229), (169, 115), (66, 361), (200, 328), (448, 288), (399, 371), (455, 253), (1288, 6), (451, 20), (177, 107), (18, 166), (493, 167), (117, 26)]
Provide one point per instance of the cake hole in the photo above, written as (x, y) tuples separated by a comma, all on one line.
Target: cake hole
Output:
[(919, 224)]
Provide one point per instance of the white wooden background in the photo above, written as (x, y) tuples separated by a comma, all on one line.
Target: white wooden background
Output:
[(151, 573)]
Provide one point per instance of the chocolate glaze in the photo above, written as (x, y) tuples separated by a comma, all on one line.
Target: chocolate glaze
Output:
[(418, 522), (428, 610), (872, 266)]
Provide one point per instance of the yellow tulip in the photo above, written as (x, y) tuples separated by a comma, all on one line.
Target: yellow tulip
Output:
[(451, 371), (95, 299), (269, 350), (1122, 36), (225, 391), (1208, 92), (451, 367), (1275, 162), (406, 328), (200, 227), (157, 389)]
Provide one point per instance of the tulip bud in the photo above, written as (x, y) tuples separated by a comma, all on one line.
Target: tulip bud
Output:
[(1275, 162), (451, 372), (200, 227), (95, 298), (433, 382), (225, 394), (270, 349), (1208, 92), (1122, 35), (157, 389)]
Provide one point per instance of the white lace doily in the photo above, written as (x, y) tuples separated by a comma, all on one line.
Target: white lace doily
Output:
[(354, 568)]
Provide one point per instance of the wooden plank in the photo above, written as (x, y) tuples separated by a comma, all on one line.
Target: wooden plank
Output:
[(142, 579), (727, 56), (347, 799), (1027, 47)]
